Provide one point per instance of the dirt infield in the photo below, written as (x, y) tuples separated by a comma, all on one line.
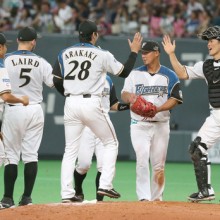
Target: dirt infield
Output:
[(115, 210)]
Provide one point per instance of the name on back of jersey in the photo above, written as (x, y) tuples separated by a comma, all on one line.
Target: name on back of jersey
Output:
[(82, 53), (25, 61)]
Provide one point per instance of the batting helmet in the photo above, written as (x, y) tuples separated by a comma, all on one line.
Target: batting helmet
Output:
[(211, 33)]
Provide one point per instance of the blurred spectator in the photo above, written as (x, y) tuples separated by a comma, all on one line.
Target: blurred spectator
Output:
[(43, 22), (204, 21), (167, 20), (194, 5), (119, 16), (120, 21), (192, 24), (154, 23), (216, 14), (133, 23), (22, 19), (104, 27), (144, 19), (63, 18), (179, 25), (5, 23), (9, 4)]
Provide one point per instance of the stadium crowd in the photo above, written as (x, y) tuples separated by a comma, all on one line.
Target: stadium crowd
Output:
[(153, 18)]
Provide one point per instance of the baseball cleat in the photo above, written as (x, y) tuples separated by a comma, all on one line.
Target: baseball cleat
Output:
[(73, 199), (99, 197), (7, 203), (109, 192), (25, 200), (198, 197), (80, 196)]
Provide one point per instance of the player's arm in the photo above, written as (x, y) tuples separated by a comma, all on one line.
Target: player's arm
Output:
[(128, 97), (9, 98), (135, 46), (169, 48), (168, 105), (175, 99), (58, 79), (115, 105)]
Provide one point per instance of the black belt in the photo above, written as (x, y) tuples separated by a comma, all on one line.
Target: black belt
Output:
[(84, 95), (11, 105), (152, 121)]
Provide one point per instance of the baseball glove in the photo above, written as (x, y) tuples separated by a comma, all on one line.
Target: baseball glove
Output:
[(143, 108)]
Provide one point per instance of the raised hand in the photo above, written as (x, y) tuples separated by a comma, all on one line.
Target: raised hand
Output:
[(168, 46), (135, 45)]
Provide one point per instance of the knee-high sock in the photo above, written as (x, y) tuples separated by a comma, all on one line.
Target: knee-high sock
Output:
[(78, 179), (10, 176), (30, 173)]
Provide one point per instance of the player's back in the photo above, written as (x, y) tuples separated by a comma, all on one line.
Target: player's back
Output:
[(27, 72), (84, 68)]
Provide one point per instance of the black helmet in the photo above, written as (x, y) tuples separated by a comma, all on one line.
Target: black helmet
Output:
[(211, 33)]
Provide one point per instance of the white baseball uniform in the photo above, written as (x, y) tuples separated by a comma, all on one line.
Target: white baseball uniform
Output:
[(5, 86), (90, 143), (150, 136), (23, 125), (83, 68), (210, 130)]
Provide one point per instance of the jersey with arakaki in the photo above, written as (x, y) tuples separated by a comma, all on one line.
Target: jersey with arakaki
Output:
[(5, 85), (156, 88), (27, 73), (83, 67)]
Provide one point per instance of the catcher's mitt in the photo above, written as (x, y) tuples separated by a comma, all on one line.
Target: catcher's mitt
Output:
[(144, 108)]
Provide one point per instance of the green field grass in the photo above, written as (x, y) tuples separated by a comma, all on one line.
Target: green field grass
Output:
[(180, 182)]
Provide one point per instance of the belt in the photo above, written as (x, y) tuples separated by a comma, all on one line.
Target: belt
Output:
[(152, 121), (84, 95), (11, 105)]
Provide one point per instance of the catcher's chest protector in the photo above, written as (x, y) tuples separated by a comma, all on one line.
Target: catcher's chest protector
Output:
[(212, 75)]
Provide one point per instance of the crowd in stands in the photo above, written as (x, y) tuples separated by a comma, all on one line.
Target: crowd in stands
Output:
[(153, 18)]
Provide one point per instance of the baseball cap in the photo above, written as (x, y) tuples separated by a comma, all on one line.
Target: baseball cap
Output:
[(87, 27), (27, 34), (2, 39), (149, 45)]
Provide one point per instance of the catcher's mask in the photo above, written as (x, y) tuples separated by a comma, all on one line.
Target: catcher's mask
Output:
[(211, 33)]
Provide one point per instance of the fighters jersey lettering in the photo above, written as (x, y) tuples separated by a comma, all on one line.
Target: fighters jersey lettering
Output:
[(141, 89), (156, 88)]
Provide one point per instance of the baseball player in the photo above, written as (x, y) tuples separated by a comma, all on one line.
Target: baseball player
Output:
[(209, 133), (5, 90), (149, 136), (80, 73), (23, 126), (91, 144)]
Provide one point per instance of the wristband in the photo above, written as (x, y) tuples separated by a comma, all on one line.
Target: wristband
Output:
[(123, 106)]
